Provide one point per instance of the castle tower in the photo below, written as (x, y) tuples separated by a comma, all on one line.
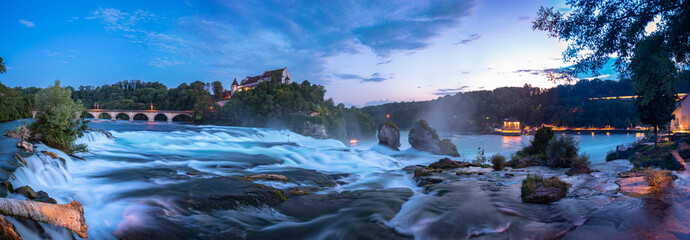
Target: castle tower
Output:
[(234, 87)]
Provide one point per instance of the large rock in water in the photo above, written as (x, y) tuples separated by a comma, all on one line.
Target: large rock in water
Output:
[(389, 135), (314, 130), (25, 145), (536, 189), (424, 138)]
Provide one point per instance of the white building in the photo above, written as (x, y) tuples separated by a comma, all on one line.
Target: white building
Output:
[(251, 82), (682, 113)]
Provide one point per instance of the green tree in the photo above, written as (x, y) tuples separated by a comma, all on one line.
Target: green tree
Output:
[(2, 66), (56, 122), (653, 78), (12, 105), (218, 90), (598, 29)]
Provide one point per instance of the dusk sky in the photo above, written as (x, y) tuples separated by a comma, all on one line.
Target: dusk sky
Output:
[(364, 53)]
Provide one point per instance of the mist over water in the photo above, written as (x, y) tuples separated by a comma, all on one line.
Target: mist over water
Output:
[(139, 182)]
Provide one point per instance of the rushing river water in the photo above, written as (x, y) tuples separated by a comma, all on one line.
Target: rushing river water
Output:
[(175, 181)]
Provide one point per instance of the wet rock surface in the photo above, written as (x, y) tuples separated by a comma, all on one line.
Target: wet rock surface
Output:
[(389, 135), (579, 169), (314, 130), (424, 138)]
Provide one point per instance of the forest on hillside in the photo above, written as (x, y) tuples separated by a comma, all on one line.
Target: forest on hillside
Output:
[(289, 106), (565, 105)]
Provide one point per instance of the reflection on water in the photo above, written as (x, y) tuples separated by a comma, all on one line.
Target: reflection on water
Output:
[(510, 141)]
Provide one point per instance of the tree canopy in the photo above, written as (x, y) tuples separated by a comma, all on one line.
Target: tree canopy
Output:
[(56, 122), (272, 104), (3, 69), (598, 29), (654, 74)]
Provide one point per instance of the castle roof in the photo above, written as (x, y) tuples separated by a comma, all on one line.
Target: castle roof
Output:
[(234, 83), (266, 74)]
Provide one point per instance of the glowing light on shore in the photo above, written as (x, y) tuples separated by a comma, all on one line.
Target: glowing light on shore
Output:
[(353, 142)]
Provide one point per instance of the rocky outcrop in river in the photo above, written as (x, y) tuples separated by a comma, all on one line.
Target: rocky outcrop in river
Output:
[(424, 138), (314, 130), (389, 135)]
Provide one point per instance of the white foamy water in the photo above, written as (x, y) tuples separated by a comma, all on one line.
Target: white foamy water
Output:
[(130, 180)]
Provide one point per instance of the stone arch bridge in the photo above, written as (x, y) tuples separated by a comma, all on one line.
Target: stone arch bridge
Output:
[(150, 114)]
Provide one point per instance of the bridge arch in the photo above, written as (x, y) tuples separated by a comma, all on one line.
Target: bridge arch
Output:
[(139, 116), (161, 117), (123, 116), (101, 115), (181, 117)]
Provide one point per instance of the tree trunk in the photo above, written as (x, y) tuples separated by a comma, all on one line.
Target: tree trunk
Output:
[(70, 215), (7, 230), (656, 137)]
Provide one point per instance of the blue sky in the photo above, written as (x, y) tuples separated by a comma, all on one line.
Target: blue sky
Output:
[(363, 52)]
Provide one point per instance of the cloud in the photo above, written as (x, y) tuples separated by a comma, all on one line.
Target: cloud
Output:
[(27, 23), (470, 38), (523, 18), (117, 20), (376, 77), (164, 62), (50, 53), (294, 34), (447, 91), (545, 71), (384, 62), (377, 102), (413, 26)]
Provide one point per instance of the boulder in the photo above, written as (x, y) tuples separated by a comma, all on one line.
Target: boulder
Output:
[(269, 177), (424, 171), (446, 163), (20, 158), (544, 194), (314, 130), (51, 154), (25, 145), (578, 169), (389, 135), (677, 161), (424, 138), (27, 192), (536, 189)]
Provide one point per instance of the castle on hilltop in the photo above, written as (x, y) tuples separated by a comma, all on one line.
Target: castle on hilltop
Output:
[(251, 82)]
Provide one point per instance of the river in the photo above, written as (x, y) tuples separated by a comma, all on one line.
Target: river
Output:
[(177, 181)]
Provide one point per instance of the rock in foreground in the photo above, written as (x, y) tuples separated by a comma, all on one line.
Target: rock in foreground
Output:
[(536, 189), (389, 135), (424, 138), (579, 169)]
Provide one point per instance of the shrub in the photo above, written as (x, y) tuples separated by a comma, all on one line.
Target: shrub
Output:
[(498, 161), (540, 141), (659, 180), (611, 155), (389, 124), (56, 121), (561, 152), (533, 181), (480, 159), (582, 159)]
